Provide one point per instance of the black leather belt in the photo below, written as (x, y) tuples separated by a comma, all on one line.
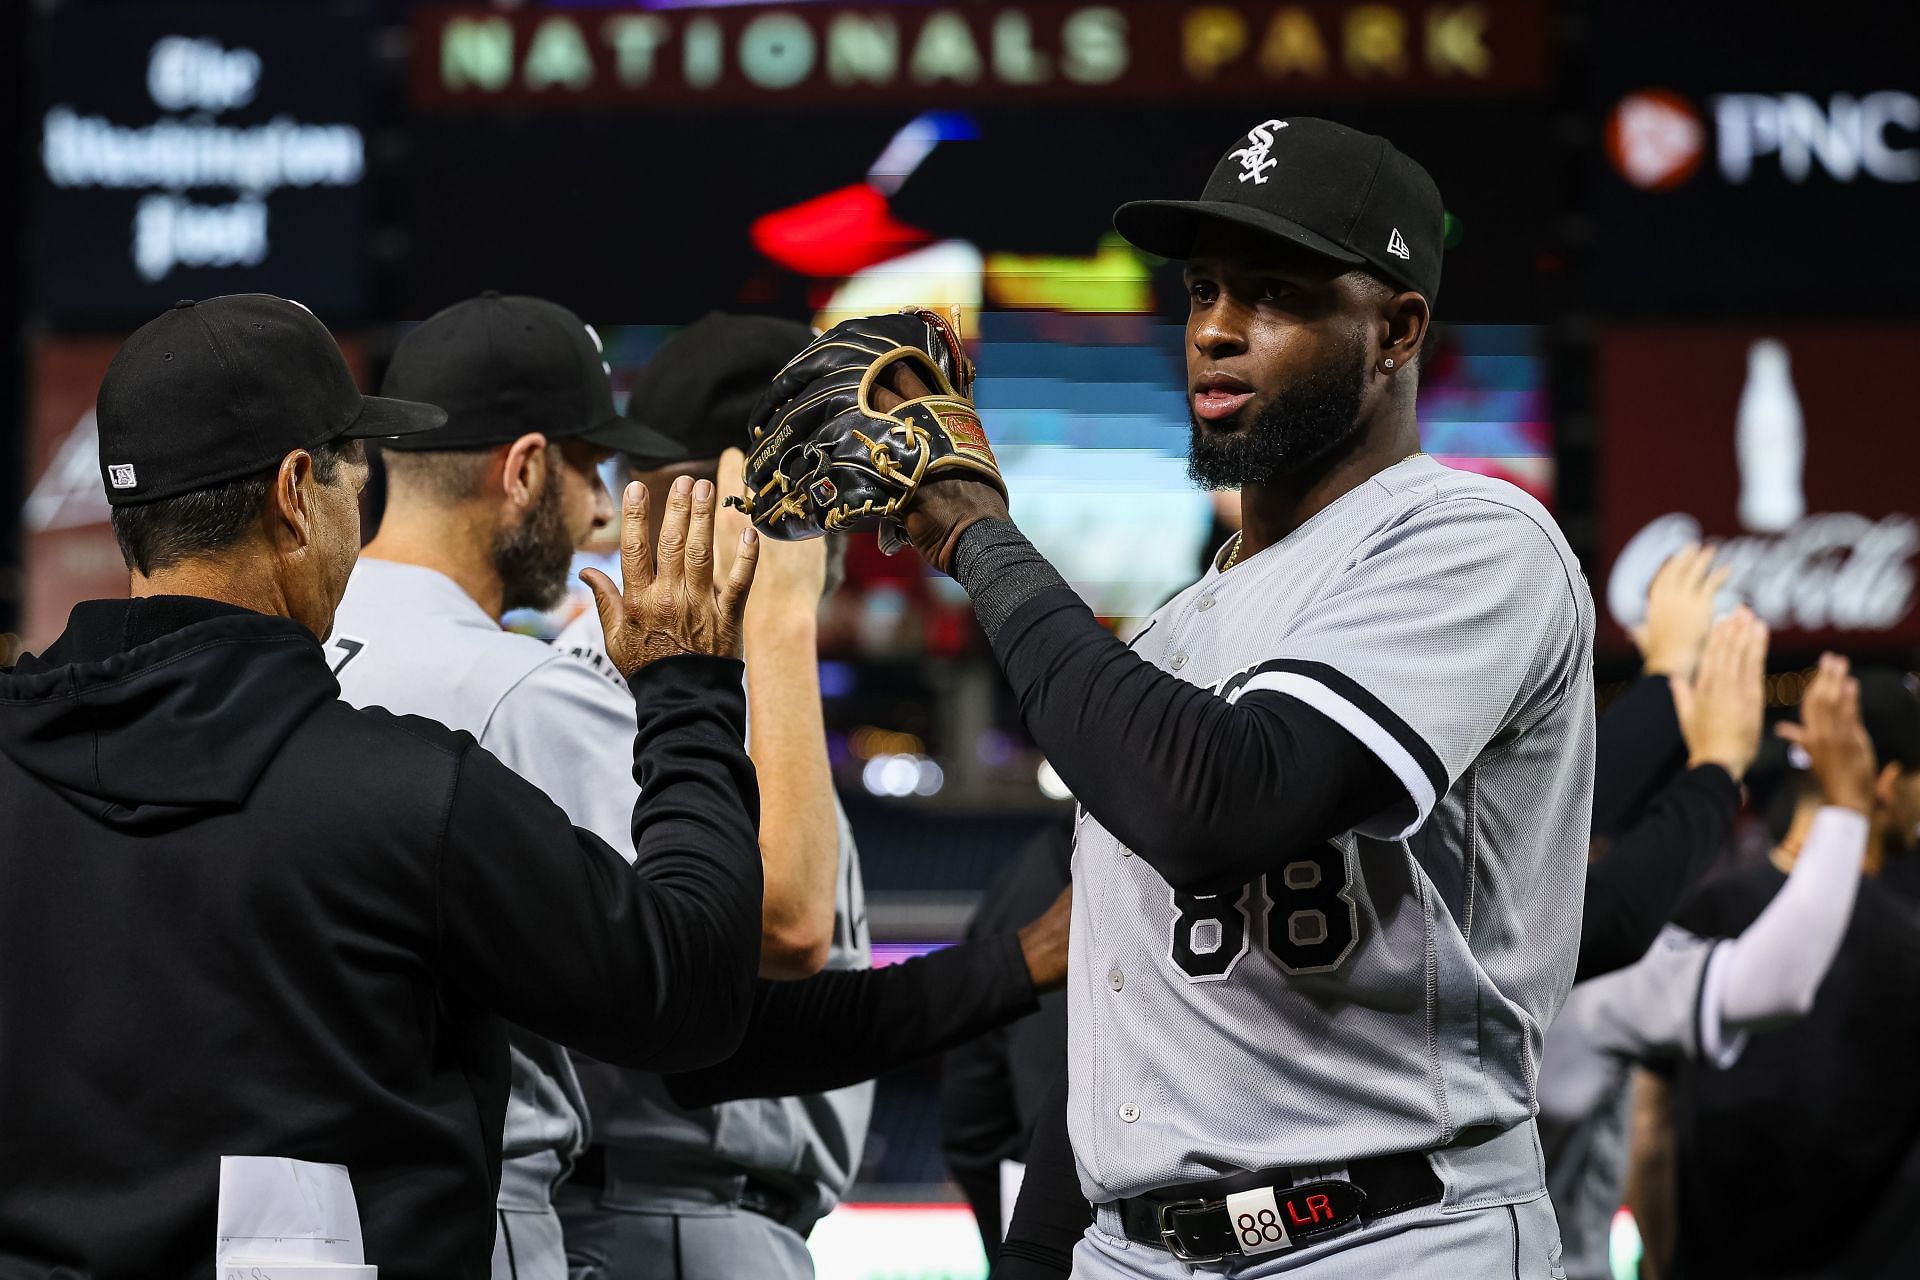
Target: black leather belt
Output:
[(767, 1200), (1192, 1221), (755, 1196)]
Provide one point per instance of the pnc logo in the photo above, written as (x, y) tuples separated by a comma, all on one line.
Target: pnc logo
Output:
[(1657, 139)]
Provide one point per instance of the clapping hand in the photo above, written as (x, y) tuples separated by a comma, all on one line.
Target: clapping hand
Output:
[(1679, 612), (1722, 708), (671, 607), (792, 575), (1834, 737), (1043, 943)]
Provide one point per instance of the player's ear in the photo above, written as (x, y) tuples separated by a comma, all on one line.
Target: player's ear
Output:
[(523, 470), (1403, 324), (290, 501)]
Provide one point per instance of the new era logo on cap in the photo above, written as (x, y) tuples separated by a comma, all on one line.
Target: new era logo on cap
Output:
[(208, 392), (1397, 246)]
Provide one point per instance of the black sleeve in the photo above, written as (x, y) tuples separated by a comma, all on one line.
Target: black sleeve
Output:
[(1638, 749), (1037, 1045), (847, 1025), (979, 1127), (1635, 889), (650, 965), (1036, 1052), (1051, 1215), (1211, 794), (988, 1096)]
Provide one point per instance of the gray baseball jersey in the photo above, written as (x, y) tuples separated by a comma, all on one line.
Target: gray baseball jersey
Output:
[(1659, 1009), (1384, 993), (410, 640), (808, 1145)]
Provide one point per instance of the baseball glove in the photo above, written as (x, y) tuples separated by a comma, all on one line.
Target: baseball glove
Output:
[(826, 458)]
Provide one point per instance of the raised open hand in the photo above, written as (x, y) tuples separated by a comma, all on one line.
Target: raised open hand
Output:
[(1722, 708), (1679, 612), (1043, 943), (1834, 737), (671, 607), (792, 575)]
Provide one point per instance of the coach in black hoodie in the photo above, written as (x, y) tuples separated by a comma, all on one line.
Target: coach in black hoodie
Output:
[(239, 917)]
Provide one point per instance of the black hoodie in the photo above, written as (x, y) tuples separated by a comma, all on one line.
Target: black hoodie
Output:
[(239, 917)]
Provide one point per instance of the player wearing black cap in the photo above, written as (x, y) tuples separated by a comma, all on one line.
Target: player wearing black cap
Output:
[(738, 1186), (419, 632), (1334, 798), (699, 390), (481, 517), (241, 917)]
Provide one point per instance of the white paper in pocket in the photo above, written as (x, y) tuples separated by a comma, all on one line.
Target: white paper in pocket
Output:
[(278, 1210)]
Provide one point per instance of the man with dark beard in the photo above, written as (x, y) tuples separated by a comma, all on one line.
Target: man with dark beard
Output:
[(1334, 798), (1299, 423), (482, 516)]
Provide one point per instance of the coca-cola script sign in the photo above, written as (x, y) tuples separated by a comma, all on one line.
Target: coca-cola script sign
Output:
[(1794, 449)]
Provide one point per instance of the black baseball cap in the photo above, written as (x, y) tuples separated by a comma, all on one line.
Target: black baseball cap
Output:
[(212, 391), (700, 388), (1345, 195), (502, 366)]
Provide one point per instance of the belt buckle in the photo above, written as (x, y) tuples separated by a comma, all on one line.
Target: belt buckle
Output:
[(1170, 1234)]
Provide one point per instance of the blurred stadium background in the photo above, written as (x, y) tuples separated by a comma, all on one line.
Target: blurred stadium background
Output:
[(1677, 302)]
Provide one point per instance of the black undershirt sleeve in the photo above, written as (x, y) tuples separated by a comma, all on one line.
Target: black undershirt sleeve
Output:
[(1208, 793), (848, 1025), (649, 965), (991, 1087), (1638, 750), (979, 1127), (1051, 1215), (1634, 890)]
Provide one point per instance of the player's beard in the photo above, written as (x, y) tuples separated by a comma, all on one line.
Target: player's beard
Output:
[(532, 557), (1300, 425)]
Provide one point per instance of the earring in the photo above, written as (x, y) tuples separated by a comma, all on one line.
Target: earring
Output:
[(1389, 364)]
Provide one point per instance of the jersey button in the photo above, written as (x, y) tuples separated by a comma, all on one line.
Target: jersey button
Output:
[(1116, 979), (1206, 603), (1129, 1112), (1179, 661), (1125, 852)]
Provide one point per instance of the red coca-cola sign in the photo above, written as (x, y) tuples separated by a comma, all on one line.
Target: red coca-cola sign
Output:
[(1794, 449)]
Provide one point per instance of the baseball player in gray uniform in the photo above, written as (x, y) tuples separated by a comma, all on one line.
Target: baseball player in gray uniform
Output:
[(714, 1193), (482, 517), (1700, 998), (1335, 798)]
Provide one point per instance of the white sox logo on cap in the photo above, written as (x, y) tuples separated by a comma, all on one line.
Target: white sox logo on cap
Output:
[(1253, 158)]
